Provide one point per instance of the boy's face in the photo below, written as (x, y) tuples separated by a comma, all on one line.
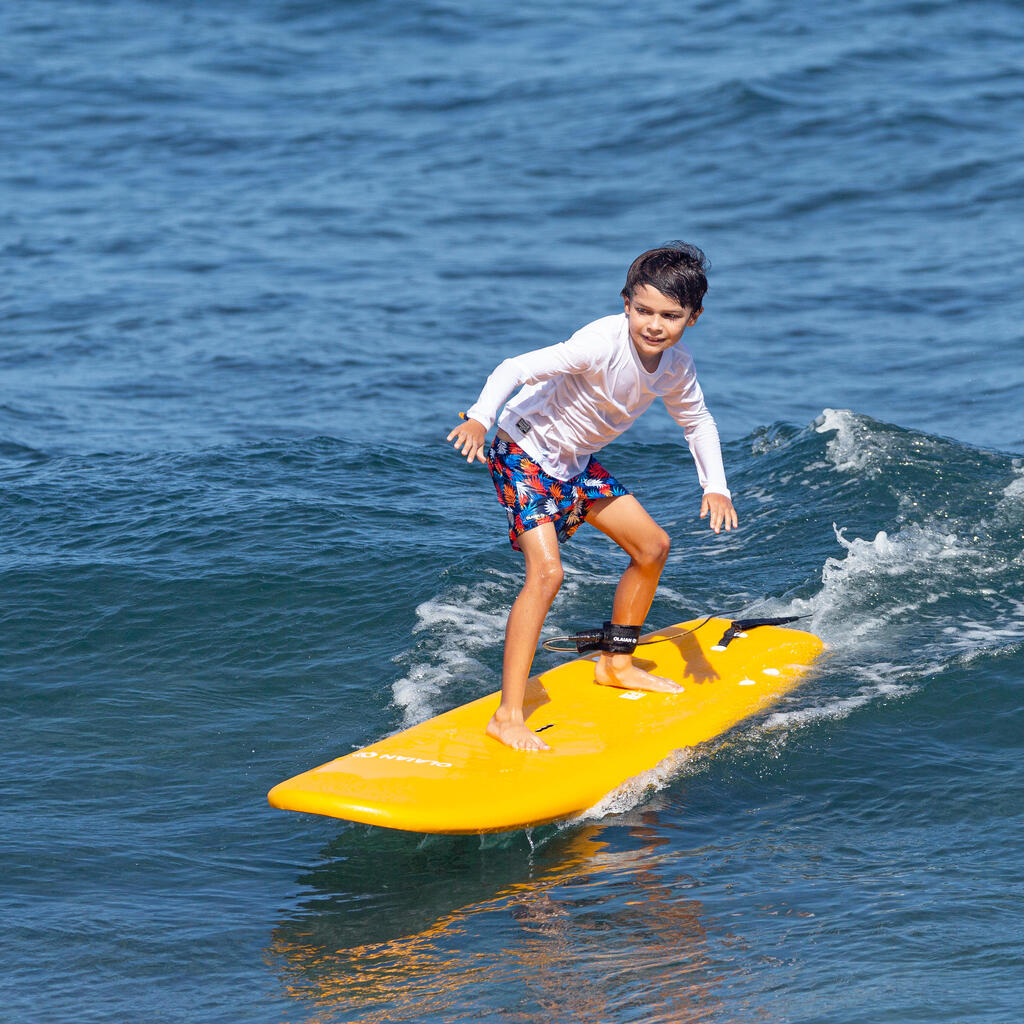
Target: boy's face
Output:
[(656, 322)]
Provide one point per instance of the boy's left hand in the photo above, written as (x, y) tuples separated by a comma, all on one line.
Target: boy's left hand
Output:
[(721, 510)]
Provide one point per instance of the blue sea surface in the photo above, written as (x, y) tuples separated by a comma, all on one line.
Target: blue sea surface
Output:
[(256, 258)]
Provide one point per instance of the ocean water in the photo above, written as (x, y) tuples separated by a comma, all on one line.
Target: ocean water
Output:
[(256, 258)]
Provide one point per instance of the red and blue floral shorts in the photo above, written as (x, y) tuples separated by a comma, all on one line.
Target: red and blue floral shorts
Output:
[(532, 497)]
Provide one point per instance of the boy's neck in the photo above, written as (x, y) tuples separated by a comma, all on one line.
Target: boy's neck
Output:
[(649, 362)]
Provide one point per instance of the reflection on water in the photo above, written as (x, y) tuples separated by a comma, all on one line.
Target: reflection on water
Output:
[(596, 926)]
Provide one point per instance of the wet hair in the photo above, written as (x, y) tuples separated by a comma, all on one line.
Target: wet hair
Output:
[(675, 269)]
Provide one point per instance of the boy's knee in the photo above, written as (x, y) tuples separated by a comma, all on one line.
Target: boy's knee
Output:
[(655, 551), (547, 576)]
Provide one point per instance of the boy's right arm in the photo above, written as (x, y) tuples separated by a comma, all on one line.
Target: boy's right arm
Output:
[(471, 436), (570, 356)]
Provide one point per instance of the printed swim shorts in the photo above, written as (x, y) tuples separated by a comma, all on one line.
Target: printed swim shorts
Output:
[(532, 497)]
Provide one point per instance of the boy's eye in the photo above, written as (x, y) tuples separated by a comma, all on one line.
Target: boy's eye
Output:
[(644, 311)]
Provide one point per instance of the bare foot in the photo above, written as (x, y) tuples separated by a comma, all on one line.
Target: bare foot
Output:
[(515, 734), (619, 670)]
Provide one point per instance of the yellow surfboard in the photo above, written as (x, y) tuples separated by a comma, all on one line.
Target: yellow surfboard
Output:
[(447, 775)]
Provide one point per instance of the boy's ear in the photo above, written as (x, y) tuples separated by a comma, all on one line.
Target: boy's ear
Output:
[(694, 316)]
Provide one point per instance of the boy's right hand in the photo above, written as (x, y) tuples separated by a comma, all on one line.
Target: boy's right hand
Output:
[(471, 437)]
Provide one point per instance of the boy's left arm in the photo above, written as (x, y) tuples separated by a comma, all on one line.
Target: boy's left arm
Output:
[(686, 406)]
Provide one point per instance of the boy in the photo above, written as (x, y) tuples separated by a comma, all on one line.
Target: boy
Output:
[(575, 398)]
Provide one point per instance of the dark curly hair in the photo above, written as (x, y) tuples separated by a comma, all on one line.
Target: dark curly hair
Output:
[(675, 269)]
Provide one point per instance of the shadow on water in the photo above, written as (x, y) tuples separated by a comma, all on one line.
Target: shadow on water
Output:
[(395, 927)]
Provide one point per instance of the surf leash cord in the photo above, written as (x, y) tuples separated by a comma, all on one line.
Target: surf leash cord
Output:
[(616, 639)]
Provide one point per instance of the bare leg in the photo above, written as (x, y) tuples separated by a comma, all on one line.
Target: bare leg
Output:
[(525, 621), (628, 523)]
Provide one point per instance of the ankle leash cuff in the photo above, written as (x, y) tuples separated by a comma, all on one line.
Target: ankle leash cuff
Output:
[(610, 638)]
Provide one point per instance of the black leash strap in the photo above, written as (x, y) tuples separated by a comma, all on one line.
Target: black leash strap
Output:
[(739, 627)]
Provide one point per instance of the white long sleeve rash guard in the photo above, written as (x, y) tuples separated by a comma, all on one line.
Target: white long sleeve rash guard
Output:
[(578, 396)]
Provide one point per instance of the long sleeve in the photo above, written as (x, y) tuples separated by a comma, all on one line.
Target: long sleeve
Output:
[(687, 408), (528, 368)]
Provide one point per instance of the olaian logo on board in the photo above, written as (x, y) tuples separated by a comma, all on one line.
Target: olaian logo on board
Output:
[(402, 757)]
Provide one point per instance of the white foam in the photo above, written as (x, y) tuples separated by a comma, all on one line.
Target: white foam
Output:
[(906, 553), (458, 626), (972, 637), (878, 582), (474, 622), (637, 789), (845, 450), (1014, 490), (456, 629), (415, 692), (835, 708)]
